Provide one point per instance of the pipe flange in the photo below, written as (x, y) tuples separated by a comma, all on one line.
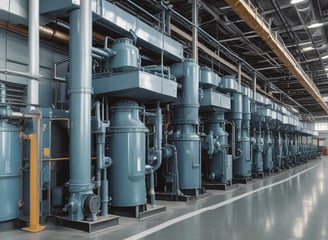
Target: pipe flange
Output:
[(76, 188)]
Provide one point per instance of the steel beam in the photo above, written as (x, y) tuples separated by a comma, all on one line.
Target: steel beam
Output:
[(254, 21)]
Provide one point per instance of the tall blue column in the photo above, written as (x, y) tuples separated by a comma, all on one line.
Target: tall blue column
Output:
[(82, 203)]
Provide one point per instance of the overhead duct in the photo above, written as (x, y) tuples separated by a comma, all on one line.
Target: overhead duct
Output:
[(255, 22)]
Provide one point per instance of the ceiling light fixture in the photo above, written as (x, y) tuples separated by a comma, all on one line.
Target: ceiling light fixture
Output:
[(296, 1), (315, 25), (324, 57), (307, 49)]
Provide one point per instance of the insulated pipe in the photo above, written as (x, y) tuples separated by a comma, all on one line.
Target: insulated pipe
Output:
[(34, 53)]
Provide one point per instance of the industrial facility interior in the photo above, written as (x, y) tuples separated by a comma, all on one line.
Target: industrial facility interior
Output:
[(159, 119)]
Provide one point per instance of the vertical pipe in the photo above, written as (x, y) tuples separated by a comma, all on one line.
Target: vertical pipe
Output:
[(239, 77), (195, 31), (2, 93), (168, 22), (80, 93), (104, 194), (80, 107), (34, 187), (254, 86), (34, 53)]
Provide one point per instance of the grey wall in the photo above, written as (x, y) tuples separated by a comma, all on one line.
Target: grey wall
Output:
[(14, 56)]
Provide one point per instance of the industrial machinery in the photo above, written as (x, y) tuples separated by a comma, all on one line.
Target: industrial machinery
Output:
[(216, 162), (185, 136), (239, 116), (257, 121), (125, 82), (261, 123), (111, 119), (10, 163)]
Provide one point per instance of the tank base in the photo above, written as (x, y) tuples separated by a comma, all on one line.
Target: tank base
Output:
[(173, 197), (276, 169), (217, 186), (258, 175), (243, 180), (88, 226), (197, 193), (193, 192), (138, 212), (268, 172), (9, 225)]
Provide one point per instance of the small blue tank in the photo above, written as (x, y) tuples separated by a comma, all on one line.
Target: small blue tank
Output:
[(10, 170), (128, 150)]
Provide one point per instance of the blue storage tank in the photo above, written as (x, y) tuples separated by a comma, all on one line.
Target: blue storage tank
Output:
[(185, 124), (10, 170), (128, 150)]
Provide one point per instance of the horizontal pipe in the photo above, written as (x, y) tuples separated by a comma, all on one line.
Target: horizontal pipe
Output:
[(19, 74), (46, 32)]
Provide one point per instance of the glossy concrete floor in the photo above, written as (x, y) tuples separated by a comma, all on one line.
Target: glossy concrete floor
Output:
[(290, 205)]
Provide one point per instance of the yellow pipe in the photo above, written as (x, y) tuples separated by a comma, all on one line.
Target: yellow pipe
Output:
[(254, 21), (34, 187)]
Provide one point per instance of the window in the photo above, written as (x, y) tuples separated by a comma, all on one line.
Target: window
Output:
[(321, 126)]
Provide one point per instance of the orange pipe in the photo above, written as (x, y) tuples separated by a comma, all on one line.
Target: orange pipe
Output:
[(34, 187)]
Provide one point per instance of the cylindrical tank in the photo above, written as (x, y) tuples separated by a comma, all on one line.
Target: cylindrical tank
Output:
[(10, 170), (243, 165), (258, 149), (126, 57), (229, 84), (185, 124), (236, 113), (127, 144), (208, 78), (267, 154), (218, 166)]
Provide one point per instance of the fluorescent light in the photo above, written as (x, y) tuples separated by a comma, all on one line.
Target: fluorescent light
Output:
[(325, 57), (315, 25), (296, 1), (304, 43), (326, 69), (307, 49)]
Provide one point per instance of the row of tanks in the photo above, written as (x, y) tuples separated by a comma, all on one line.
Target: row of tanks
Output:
[(162, 131)]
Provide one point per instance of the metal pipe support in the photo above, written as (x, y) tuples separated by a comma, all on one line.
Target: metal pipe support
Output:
[(34, 225)]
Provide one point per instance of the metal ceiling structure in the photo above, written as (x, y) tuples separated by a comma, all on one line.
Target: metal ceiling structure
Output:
[(226, 38)]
